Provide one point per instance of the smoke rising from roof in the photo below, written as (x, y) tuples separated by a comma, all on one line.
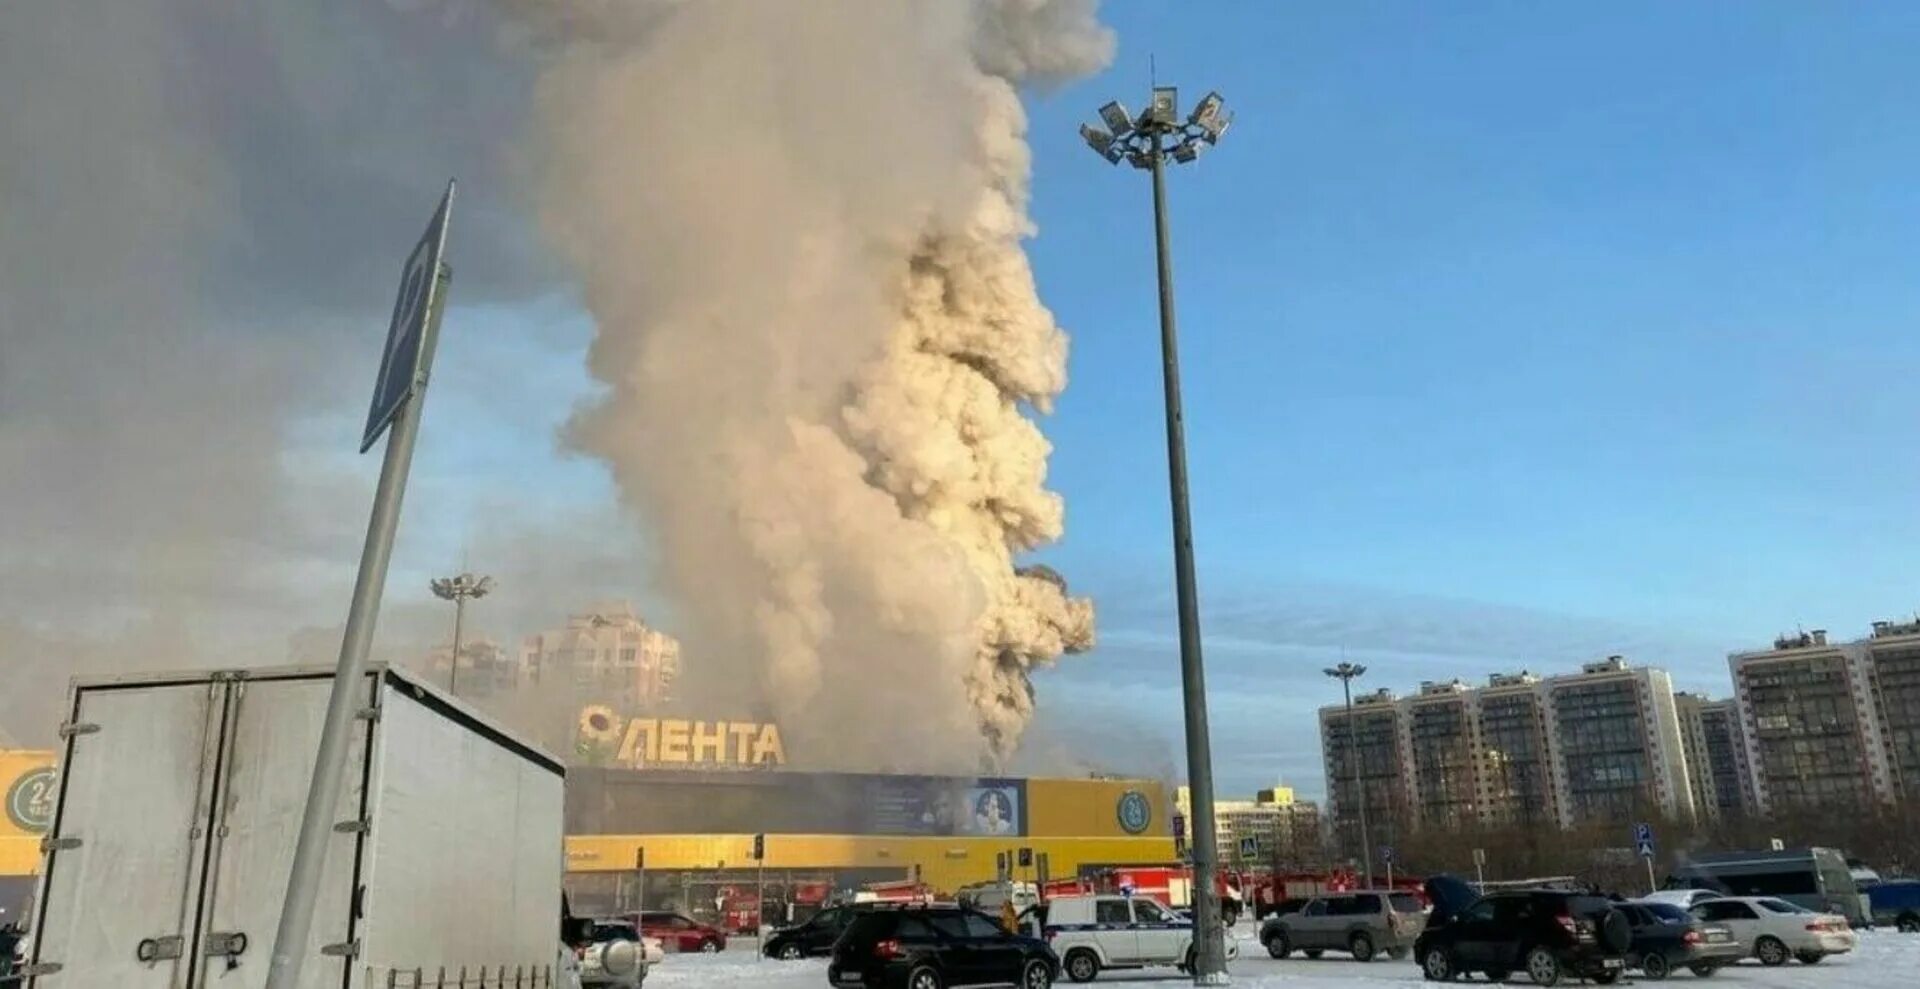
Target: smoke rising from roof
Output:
[(799, 230)]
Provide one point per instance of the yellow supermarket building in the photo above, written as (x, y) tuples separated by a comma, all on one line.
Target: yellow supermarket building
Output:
[(695, 827), (849, 828)]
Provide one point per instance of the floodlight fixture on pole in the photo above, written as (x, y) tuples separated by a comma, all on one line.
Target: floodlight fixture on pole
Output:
[(1146, 142), (1346, 673), (458, 589)]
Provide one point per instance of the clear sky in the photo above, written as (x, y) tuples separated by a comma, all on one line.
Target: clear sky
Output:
[(1513, 335)]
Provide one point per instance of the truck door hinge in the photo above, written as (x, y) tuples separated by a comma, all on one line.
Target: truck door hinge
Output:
[(40, 968), (68, 729), (368, 714), (52, 844), (344, 949), (353, 827), (156, 949)]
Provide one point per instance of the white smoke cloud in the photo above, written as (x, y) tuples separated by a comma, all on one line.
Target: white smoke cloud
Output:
[(798, 227)]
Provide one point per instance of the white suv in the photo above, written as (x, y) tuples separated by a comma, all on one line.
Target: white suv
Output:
[(1090, 933)]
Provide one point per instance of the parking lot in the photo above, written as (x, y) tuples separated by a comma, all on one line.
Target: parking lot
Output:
[(1884, 960)]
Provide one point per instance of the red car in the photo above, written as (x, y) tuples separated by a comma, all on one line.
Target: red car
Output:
[(679, 932)]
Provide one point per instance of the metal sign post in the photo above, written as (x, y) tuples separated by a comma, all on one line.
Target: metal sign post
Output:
[(1643, 843), (640, 869), (1386, 855), (397, 398), (1479, 869), (760, 896)]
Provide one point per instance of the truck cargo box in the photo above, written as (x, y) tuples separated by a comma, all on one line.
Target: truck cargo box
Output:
[(180, 800)]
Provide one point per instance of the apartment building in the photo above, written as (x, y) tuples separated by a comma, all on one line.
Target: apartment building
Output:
[(1716, 754), (1515, 776), (606, 655), (1810, 722), (1284, 830), (1893, 663), (1442, 748), (1616, 740), (1372, 741), (1601, 744)]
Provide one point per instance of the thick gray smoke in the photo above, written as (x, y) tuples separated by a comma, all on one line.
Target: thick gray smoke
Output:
[(799, 231)]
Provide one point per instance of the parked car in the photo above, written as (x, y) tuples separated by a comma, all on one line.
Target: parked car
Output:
[(679, 932), (1773, 930), (613, 955), (935, 947), (1549, 933), (813, 937), (1896, 902), (1685, 899), (1666, 937), (1360, 923), (1099, 931)]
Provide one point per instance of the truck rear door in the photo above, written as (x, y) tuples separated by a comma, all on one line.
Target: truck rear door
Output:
[(273, 735), (127, 850)]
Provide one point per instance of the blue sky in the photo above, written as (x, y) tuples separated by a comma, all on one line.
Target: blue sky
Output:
[(1513, 335)]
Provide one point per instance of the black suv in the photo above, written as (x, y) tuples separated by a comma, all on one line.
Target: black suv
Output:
[(1548, 933), (934, 947), (813, 936)]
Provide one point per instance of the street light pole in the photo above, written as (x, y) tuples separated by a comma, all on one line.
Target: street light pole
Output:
[(1146, 143), (458, 589), (1346, 673)]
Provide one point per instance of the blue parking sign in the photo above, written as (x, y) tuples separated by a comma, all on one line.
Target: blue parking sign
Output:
[(401, 365), (1386, 854)]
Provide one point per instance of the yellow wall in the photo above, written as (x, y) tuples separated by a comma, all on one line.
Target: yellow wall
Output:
[(19, 849), (1090, 808), (945, 863)]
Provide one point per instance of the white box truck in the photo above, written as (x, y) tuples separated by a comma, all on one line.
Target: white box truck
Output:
[(179, 802)]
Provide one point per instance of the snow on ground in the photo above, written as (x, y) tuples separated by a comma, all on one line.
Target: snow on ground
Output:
[(1884, 960)]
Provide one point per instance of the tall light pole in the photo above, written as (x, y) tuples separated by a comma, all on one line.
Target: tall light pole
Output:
[(1346, 673), (458, 589), (1146, 143)]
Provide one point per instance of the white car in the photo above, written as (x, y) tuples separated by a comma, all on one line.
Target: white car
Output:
[(1090, 933), (1685, 899), (1773, 930), (618, 957)]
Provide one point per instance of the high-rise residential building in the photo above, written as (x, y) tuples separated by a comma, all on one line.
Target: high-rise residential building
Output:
[(1371, 740), (1616, 743), (1282, 830), (1516, 766), (1893, 659), (1716, 756), (608, 655), (1810, 724), (1443, 751), (1601, 744), (485, 668)]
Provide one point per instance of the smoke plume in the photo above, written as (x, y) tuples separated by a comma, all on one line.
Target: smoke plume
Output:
[(799, 229)]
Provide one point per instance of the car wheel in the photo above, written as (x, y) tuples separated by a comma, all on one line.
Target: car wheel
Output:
[(1809, 957), (789, 951), (1543, 967), (1082, 965), (709, 946), (1701, 970), (1770, 951), (1278, 946), (1037, 975), (1361, 946), (1656, 966), (1437, 965), (1909, 923), (923, 978), (1312, 952)]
